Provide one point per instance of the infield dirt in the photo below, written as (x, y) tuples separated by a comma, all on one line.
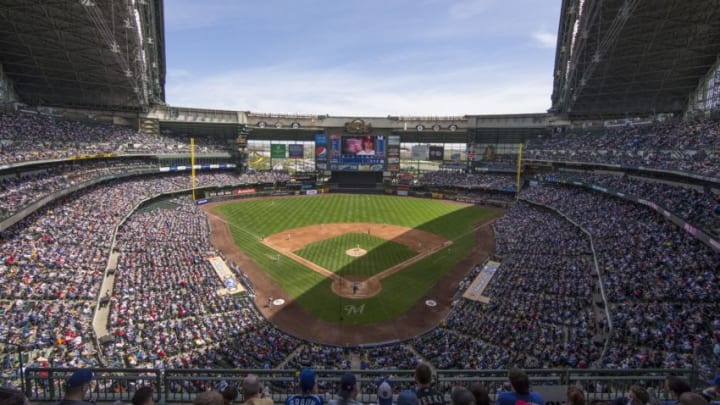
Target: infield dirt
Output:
[(293, 319)]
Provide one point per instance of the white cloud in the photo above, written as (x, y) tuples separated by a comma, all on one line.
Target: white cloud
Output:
[(346, 93), (545, 39)]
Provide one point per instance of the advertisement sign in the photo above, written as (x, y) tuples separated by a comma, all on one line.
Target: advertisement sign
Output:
[(420, 152), (295, 151), (436, 153), (277, 151), (321, 152)]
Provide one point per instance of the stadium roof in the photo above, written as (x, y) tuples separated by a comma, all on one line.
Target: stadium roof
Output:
[(84, 53), (619, 58)]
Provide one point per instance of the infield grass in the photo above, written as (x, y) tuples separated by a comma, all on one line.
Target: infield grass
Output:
[(251, 220), (381, 254)]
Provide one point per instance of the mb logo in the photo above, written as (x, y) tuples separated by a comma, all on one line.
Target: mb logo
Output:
[(351, 310)]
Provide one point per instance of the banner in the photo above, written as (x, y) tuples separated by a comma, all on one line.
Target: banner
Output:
[(419, 152), (476, 289), (436, 153), (277, 151), (295, 151), (321, 152), (393, 153)]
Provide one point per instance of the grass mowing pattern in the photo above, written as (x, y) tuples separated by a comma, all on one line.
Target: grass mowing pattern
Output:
[(251, 219), (381, 254)]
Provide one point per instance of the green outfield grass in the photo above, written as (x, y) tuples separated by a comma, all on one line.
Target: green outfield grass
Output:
[(252, 219), (381, 254)]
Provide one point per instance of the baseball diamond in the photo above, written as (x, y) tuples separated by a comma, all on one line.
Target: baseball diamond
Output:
[(373, 298)]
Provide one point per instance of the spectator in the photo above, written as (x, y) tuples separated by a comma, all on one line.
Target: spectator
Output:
[(307, 394), (13, 397), (426, 395), (253, 393), (348, 391), (77, 386), (637, 395), (521, 393), (676, 386), (143, 396), (691, 398), (462, 396), (480, 391), (209, 398), (385, 393), (230, 394), (575, 396), (407, 397), (712, 393)]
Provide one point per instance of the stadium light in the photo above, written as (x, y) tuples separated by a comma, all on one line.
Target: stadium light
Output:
[(87, 3)]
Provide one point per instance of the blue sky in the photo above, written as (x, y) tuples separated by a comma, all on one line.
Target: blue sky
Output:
[(361, 57)]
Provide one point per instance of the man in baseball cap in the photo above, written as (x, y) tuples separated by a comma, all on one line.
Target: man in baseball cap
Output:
[(77, 386), (385, 393), (307, 388), (348, 391)]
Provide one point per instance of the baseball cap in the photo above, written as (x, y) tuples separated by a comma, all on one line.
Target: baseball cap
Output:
[(407, 397), (307, 380), (80, 378), (385, 394), (347, 384), (251, 385)]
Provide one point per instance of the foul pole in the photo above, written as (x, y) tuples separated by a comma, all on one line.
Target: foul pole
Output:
[(519, 168), (192, 166)]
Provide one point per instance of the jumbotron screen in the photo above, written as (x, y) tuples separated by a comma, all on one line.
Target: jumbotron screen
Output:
[(355, 153)]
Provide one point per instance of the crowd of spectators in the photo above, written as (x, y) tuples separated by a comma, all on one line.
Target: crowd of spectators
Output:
[(467, 180), (540, 304), (166, 312), (30, 137), (660, 280), (697, 206), (692, 147), (52, 263), (168, 303), (17, 190)]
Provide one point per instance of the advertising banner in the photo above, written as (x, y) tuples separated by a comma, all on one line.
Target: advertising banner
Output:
[(420, 152), (277, 151), (321, 152), (436, 153), (295, 151)]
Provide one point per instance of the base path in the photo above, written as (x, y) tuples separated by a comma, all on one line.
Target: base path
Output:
[(293, 319), (291, 240)]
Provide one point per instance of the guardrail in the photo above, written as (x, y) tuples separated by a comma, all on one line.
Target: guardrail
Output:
[(182, 385)]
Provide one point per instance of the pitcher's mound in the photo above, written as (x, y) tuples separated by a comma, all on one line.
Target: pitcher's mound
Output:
[(356, 252)]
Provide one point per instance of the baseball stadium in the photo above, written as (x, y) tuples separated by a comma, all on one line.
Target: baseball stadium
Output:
[(154, 253)]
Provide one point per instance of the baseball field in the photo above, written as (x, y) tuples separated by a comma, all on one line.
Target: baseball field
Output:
[(353, 259)]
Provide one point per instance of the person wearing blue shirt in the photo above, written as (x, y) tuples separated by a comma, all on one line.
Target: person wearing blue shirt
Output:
[(521, 394), (307, 386)]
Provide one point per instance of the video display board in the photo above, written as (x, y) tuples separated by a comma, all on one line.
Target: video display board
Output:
[(361, 153)]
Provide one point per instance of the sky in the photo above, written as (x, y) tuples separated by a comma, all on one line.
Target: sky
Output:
[(362, 57)]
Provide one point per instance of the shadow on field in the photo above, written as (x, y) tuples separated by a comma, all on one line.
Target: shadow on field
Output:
[(398, 310)]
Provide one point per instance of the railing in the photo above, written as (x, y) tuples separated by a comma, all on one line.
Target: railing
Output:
[(182, 385)]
